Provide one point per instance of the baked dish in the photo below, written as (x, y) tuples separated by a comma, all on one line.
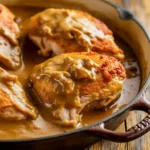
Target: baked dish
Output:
[(60, 69)]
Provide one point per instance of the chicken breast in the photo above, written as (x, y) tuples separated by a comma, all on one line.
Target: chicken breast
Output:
[(9, 47), (71, 83), (61, 31), (14, 104)]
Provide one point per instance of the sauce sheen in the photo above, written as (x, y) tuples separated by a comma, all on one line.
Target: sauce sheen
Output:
[(42, 126)]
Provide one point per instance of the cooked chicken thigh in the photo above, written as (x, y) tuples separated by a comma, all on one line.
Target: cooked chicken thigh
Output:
[(60, 31), (71, 83), (14, 103), (9, 47)]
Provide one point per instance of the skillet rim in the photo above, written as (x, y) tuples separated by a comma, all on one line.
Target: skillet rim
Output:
[(125, 108)]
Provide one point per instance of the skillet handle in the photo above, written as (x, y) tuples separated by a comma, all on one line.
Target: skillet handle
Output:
[(133, 133)]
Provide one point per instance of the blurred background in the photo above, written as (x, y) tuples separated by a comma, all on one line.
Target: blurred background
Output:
[(141, 8)]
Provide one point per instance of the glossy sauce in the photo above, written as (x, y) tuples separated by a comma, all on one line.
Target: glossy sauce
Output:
[(67, 24), (43, 126)]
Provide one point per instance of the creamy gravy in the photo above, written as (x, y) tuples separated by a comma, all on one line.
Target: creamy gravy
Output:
[(68, 22), (42, 126)]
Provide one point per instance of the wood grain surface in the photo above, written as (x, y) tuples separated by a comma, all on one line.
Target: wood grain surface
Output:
[(141, 8)]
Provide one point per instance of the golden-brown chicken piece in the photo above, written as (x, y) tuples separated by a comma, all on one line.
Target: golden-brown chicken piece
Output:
[(9, 48), (64, 31), (14, 104), (71, 83)]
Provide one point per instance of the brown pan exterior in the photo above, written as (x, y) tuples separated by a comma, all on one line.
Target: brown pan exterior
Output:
[(81, 138)]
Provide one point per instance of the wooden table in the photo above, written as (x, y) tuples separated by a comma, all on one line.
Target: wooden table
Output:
[(141, 8)]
